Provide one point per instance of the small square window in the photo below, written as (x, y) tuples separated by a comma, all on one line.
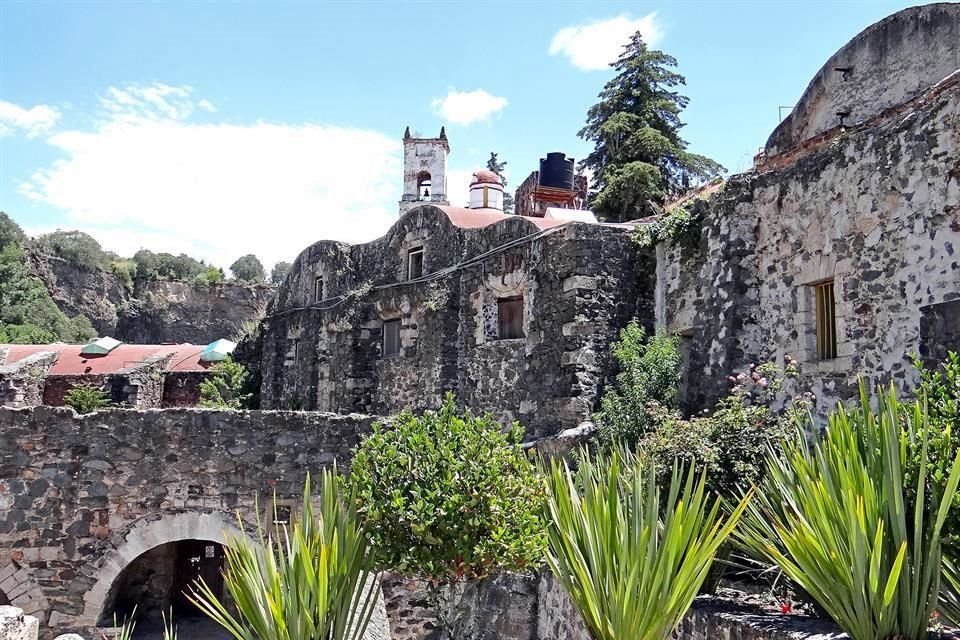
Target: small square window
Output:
[(414, 263), (317, 289), (391, 338), (510, 318), (293, 348), (826, 320)]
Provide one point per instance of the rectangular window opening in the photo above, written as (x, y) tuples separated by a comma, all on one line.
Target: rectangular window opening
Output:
[(318, 289), (391, 338), (414, 263), (510, 318), (826, 320)]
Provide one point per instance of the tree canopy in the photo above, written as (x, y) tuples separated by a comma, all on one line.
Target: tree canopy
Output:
[(497, 166), (248, 268), (639, 159), (279, 272)]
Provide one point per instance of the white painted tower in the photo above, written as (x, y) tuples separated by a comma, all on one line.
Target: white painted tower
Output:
[(486, 190), (424, 170)]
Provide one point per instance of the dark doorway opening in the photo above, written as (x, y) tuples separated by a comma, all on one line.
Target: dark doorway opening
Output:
[(4, 600), (158, 582)]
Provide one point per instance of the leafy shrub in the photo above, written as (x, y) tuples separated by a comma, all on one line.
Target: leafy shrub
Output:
[(631, 573), (125, 271), (678, 226), (10, 232), (212, 276), (152, 266), (313, 581), (226, 386), (448, 495), (834, 516), (649, 374), (248, 268), (86, 398)]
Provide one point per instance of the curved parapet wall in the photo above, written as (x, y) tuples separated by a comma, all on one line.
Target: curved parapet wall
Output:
[(886, 64)]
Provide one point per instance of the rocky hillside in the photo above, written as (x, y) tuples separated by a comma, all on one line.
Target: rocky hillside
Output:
[(153, 311)]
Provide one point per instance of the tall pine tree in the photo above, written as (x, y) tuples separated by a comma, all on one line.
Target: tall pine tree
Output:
[(495, 165), (639, 159)]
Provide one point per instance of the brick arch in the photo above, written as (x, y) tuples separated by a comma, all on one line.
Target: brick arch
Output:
[(145, 535), (18, 586)]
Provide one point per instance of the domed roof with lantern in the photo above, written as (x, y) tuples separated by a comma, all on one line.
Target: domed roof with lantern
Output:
[(485, 176)]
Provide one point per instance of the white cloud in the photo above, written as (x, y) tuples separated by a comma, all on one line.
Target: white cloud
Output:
[(467, 107), (594, 45), (33, 121), (146, 176)]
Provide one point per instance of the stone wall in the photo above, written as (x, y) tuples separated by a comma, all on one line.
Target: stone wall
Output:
[(888, 63), (82, 497), (875, 209), (580, 283)]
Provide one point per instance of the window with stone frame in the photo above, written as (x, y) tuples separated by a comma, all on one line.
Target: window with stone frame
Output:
[(391, 338), (826, 313), (414, 263), (510, 318), (318, 289)]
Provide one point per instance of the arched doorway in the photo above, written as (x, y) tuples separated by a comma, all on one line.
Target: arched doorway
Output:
[(158, 582)]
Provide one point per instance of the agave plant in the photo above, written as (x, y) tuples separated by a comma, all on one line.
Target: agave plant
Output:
[(169, 629), (632, 569), (124, 629), (311, 582), (833, 516)]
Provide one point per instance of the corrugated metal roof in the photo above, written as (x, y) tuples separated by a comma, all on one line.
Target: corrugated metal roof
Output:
[(71, 360)]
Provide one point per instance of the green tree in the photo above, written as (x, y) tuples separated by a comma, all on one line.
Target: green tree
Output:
[(225, 387), (279, 272), (639, 158), (86, 398), (248, 268), (649, 375), (212, 276), (10, 231), (75, 246), (497, 166), (449, 495), (148, 265)]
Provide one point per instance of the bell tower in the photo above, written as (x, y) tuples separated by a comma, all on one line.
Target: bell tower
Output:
[(424, 170)]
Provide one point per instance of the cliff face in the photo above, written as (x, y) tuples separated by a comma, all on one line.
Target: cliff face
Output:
[(171, 311), (153, 312)]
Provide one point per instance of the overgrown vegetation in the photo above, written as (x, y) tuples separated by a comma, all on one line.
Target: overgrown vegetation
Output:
[(632, 559), (639, 159), (312, 580), (497, 166), (28, 315), (226, 386), (86, 398), (835, 516), (449, 495), (679, 226)]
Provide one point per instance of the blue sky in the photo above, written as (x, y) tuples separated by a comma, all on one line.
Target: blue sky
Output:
[(220, 129)]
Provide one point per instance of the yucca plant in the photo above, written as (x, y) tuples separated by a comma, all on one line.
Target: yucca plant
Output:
[(833, 515), (632, 562), (124, 629), (950, 592), (169, 629), (311, 582)]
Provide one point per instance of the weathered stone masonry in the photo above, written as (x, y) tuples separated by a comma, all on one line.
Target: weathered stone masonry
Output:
[(83, 497), (580, 283), (873, 207)]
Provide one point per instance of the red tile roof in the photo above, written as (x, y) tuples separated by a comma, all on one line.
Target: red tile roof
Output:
[(476, 218), (70, 360)]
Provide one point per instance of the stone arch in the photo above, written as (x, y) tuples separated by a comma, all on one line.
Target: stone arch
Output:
[(19, 588), (144, 535)]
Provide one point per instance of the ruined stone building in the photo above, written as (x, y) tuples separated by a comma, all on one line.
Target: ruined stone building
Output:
[(141, 376), (839, 248)]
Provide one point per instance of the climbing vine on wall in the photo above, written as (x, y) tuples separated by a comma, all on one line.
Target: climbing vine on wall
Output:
[(680, 226)]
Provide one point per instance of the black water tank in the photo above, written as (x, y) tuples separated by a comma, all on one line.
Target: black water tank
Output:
[(556, 170)]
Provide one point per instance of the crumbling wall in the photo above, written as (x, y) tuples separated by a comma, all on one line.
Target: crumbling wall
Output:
[(876, 210)]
